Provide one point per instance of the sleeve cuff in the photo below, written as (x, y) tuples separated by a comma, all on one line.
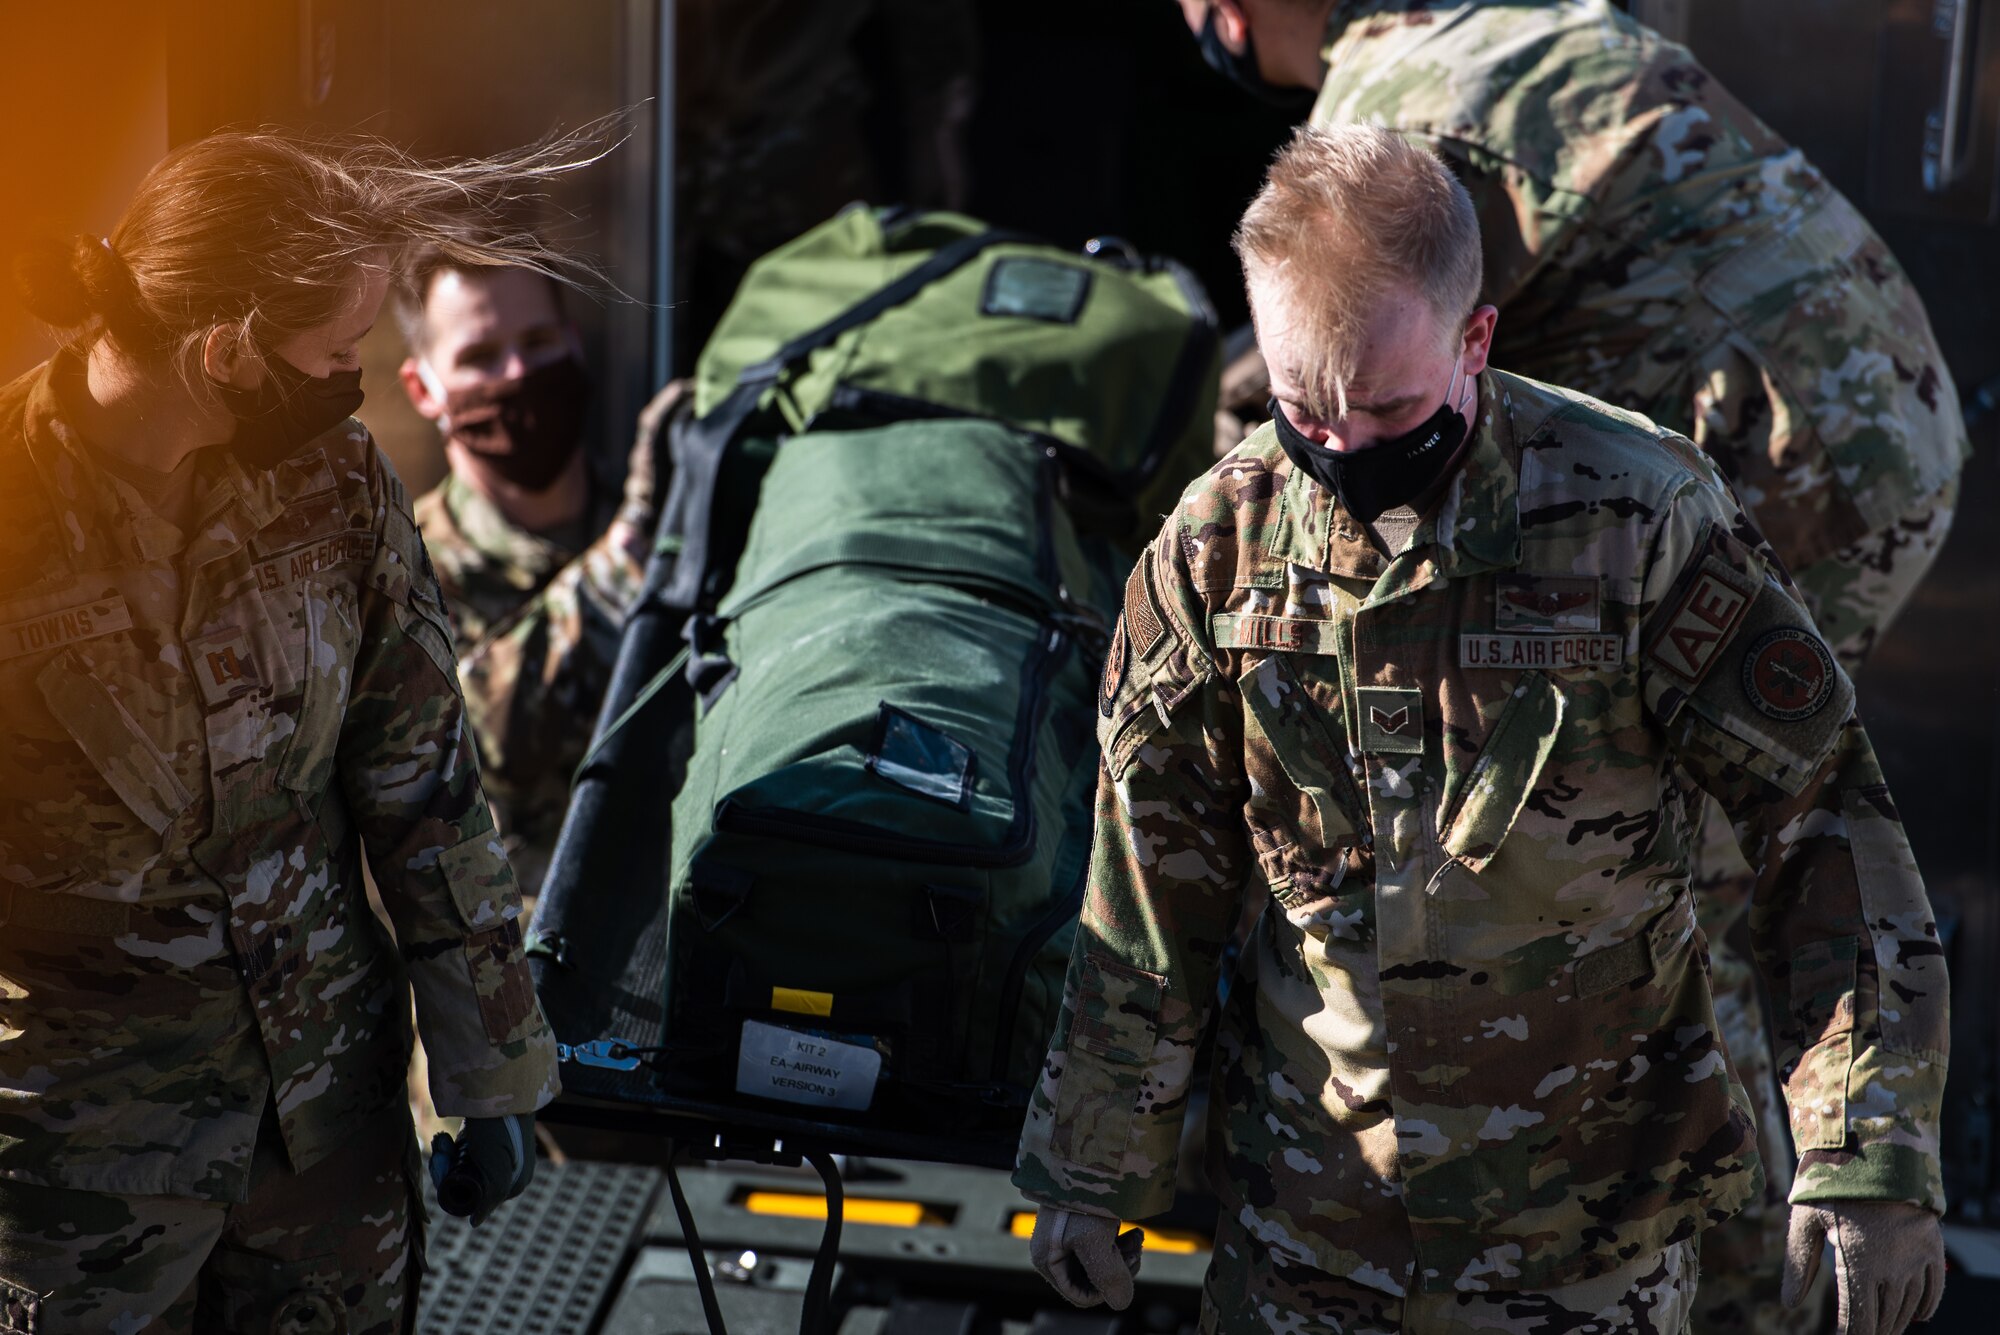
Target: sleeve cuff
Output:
[(1870, 1173)]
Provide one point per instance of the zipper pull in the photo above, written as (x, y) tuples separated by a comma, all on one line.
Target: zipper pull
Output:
[(610, 1054)]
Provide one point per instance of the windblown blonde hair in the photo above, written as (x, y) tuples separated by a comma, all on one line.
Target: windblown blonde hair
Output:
[(1346, 214), (261, 232)]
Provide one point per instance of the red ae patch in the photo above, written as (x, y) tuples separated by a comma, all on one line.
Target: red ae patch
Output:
[(1788, 674)]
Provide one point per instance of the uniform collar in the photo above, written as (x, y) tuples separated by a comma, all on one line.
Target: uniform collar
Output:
[(101, 520), (1415, 12), (498, 540), (1476, 525)]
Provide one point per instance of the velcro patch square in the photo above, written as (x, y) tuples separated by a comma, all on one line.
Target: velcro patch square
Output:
[(1693, 634), (1392, 719), (1035, 289), (306, 520)]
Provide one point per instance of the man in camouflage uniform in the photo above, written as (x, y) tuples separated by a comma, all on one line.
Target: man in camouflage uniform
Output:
[(1650, 242), (212, 703), (772, 104), (538, 579), (1471, 1077)]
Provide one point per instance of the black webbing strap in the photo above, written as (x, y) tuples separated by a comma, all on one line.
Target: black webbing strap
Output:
[(701, 445)]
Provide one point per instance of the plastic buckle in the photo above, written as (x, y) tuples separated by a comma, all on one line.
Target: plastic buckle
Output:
[(610, 1054)]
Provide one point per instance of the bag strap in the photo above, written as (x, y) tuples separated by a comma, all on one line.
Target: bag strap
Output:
[(1204, 336), (699, 449)]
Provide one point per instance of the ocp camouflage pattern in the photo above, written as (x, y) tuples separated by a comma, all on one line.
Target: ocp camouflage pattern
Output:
[(201, 732), (1473, 1046), (1245, 1294), (537, 629), (1650, 242)]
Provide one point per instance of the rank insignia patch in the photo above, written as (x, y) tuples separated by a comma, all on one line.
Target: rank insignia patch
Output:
[(1788, 674), (1392, 719), (1546, 602), (223, 668)]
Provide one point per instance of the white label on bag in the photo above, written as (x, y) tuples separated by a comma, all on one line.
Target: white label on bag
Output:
[(778, 1063)]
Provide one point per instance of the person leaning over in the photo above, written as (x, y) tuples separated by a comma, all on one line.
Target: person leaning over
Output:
[(225, 671), (538, 559), (1442, 662)]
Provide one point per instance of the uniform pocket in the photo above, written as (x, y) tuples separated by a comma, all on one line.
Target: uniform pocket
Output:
[(1491, 796), (475, 872), (1300, 791), (1821, 986), (332, 636), (1114, 1025), (114, 742), (101, 792)]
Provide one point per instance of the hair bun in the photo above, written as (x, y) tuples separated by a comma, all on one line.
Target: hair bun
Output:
[(50, 285)]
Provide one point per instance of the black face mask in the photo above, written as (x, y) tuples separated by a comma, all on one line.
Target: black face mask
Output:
[(1393, 472), (287, 411), (525, 430), (1241, 70)]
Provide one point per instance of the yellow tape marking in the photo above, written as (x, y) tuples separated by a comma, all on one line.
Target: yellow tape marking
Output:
[(1173, 1241), (801, 1002)]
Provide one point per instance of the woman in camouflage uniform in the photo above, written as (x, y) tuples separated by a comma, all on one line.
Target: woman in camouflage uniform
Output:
[(225, 670)]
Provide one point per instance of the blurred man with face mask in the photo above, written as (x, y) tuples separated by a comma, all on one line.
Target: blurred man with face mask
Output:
[(538, 559)]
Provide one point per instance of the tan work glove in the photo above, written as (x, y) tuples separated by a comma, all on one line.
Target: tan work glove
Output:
[(1085, 1258), (1888, 1262)]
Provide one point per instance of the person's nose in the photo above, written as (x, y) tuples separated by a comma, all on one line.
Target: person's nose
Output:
[(513, 365), (1314, 430)]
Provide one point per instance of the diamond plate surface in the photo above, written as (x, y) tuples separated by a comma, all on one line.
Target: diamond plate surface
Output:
[(546, 1263)]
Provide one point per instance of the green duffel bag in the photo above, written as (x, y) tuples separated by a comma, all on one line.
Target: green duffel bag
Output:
[(1111, 353), (1112, 358), (879, 845)]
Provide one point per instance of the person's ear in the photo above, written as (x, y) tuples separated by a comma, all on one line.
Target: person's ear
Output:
[(227, 359), (1232, 26), (1478, 342), (421, 398)]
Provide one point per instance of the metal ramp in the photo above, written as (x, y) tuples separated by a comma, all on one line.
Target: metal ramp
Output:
[(548, 1263)]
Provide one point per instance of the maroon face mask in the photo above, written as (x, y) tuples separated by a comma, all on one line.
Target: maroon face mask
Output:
[(525, 430)]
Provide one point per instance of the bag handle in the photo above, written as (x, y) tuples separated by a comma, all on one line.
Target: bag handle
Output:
[(700, 446)]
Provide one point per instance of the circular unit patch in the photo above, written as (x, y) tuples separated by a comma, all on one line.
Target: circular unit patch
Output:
[(1114, 672), (1788, 674)]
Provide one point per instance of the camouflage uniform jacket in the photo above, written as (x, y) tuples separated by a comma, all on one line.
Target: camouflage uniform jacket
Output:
[(1473, 1046), (201, 733), (537, 634), (1650, 242)]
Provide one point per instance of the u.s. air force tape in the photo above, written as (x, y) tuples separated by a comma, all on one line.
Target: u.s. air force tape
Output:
[(1545, 650)]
